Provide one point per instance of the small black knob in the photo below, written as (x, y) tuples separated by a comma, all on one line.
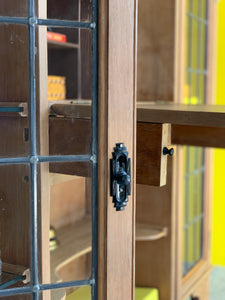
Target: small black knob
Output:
[(194, 298), (168, 151)]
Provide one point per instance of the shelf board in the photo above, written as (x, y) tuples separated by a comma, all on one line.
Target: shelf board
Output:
[(153, 112), (70, 102), (56, 178), (80, 109), (182, 114), (74, 241), (146, 232), (59, 45)]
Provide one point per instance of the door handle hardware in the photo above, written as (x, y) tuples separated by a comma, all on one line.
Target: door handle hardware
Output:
[(194, 298), (168, 151), (120, 176)]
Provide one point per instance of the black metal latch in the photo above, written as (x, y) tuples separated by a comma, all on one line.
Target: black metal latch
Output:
[(120, 176)]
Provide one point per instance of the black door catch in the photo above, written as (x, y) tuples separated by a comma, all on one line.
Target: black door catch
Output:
[(120, 176)]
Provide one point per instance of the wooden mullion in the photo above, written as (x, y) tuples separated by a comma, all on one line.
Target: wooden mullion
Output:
[(116, 124)]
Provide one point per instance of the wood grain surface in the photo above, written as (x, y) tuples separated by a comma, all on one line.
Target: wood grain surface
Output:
[(117, 71), (155, 50), (151, 163)]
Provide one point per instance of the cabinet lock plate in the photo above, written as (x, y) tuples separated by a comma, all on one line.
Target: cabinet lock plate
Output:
[(120, 176)]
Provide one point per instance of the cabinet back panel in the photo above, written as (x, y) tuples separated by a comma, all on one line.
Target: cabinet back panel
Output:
[(154, 259), (155, 56)]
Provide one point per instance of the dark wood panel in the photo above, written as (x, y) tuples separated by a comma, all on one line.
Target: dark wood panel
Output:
[(198, 136), (14, 179), (14, 136), (15, 214), (57, 9), (86, 64), (12, 8), (14, 77), (151, 163), (69, 136)]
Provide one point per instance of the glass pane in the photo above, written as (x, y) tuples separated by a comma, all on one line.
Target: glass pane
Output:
[(188, 5), (195, 7), (14, 8), (74, 10), (194, 157), (203, 41), (70, 224), (202, 87), (83, 293), (193, 209), (14, 93), (204, 9), (193, 89), (15, 225), (69, 92), (194, 44), (72, 293)]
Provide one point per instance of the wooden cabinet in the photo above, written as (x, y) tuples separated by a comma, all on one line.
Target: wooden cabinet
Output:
[(171, 48), (57, 156), (50, 154)]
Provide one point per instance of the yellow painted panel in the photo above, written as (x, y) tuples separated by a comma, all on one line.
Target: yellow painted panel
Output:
[(84, 293), (218, 230)]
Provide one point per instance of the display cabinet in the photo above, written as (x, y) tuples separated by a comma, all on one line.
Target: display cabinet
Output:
[(55, 173), (176, 59), (55, 169)]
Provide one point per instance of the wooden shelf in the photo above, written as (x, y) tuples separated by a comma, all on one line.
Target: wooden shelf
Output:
[(74, 241), (64, 46), (146, 232), (69, 102), (56, 178), (152, 112), (182, 114), (80, 109)]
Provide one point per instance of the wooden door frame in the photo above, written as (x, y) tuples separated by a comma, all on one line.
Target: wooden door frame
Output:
[(117, 123), (184, 284)]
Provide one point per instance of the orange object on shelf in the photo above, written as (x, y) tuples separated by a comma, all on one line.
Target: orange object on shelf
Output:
[(56, 88), (57, 37)]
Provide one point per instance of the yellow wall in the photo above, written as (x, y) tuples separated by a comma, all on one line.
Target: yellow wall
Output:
[(218, 232)]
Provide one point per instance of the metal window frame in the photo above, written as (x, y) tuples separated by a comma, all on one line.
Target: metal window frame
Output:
[(34, 159)]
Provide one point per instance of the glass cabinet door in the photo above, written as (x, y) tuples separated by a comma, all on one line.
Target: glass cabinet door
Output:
[(194, 161), (67, 88)]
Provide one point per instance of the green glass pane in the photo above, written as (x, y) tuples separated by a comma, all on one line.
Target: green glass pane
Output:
[(202, 63), (203, 9), (195, 4), (194, 44), (202, 83), (188, 5), (193, 89), (188, 30)]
